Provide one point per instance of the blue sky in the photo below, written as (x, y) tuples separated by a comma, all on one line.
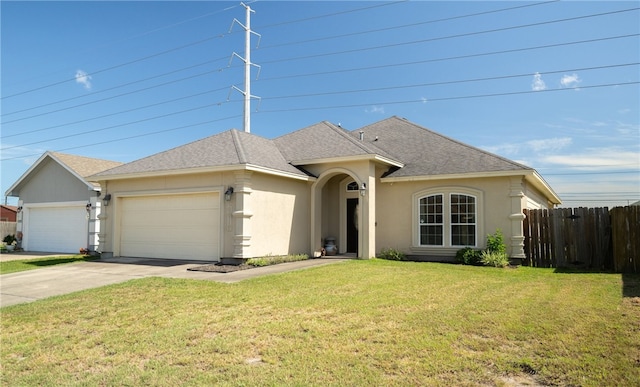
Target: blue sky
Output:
[(554, 85)]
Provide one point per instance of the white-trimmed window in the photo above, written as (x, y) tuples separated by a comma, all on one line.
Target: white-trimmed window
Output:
[(447, 218)]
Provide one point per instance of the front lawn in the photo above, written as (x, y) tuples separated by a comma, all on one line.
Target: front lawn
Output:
[(355, 323), (7, 267)]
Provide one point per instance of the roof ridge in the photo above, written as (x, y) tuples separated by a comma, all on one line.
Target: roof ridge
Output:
[(347, 134), (237, 142)]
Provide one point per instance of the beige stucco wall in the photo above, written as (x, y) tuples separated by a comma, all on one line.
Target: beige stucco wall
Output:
[(396, 206), (274, 219), (281, 215), (53, 183)]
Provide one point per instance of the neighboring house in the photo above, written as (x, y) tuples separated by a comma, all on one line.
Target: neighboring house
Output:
[(392, 184), (58, 206), (8, 213)]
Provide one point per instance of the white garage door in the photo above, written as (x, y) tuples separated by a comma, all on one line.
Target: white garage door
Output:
[(56, 229), (171, 226)]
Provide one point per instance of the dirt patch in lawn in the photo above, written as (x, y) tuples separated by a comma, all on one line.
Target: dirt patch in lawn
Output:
[(221, 268)]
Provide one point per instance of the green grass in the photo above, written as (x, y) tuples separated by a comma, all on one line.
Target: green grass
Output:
[(37, 263), (367, 323)]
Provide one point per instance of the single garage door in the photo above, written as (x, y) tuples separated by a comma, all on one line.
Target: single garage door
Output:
[(56, 229), (171, 226)]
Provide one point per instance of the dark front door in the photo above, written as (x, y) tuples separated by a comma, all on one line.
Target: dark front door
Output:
[(352, 226)]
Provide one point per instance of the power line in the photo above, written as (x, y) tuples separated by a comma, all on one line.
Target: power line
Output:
[(321, 94), (117, 87), (445, 98), (450, 58), (221, 35), (129, 137), (457, 35), (111, 97), (339, 107), (447, 82), (116, 113), (335, 53), (284, 23), (115, 126), (425, 61)]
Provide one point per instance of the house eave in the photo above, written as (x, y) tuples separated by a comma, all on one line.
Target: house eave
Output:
[(530, 175), (367, 157), (189, 171)]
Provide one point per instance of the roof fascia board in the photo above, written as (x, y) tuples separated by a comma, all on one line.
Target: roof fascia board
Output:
[(343, 159), (530, 175), (456, 176), (188, 171)]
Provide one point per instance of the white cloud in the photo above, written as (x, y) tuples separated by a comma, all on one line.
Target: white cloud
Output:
[(538, 84), (597, 158), (539, 146), (375, 109), (549, 144), (570, 80), (84, 79)]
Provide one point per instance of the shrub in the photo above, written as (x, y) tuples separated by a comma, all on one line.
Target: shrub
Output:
[(468, 256), (273, 260), (495, 242), (9, 239), (392, 255), (494, 258)]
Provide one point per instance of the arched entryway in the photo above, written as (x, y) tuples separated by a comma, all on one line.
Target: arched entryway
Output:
[(336, 207)]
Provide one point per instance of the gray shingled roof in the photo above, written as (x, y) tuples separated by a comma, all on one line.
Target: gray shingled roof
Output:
[(422, 151), (224, 149), (323, 141), (425, 152), (85, 166)]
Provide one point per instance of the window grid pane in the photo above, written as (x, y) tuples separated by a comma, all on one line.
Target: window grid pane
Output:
[(463, 220), (431, 220)]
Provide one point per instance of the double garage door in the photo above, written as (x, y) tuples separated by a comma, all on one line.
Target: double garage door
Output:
[(185, 226), (60, 229)]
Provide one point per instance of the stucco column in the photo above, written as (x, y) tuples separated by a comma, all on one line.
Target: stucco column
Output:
[(242, 215), (517, 216), (367, 248)]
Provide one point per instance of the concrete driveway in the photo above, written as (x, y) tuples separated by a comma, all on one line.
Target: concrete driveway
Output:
[(32, 285)]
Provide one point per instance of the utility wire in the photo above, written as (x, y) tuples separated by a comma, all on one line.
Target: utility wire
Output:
[(335, 107), (321, 94), (451, 36), (309, 108), (116, 113), (111, 97), (116, 87), (425, 61), (130, 137), (116, 126), (432, 39), (268, 26)]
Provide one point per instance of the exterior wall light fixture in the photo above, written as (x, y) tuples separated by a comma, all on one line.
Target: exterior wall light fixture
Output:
[(106, 199), (228, 193), (19, 209), (88, 207), (363, 189)]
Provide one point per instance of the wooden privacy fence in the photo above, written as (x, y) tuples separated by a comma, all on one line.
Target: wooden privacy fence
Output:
[(7, 228), (594, 238)]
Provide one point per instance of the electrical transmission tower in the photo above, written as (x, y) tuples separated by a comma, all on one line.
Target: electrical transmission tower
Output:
[(247, 66)]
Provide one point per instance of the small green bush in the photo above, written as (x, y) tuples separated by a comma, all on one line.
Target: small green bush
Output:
[(392, 255), (495, 242), (494, 258), (273, 260), (468, 256)]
